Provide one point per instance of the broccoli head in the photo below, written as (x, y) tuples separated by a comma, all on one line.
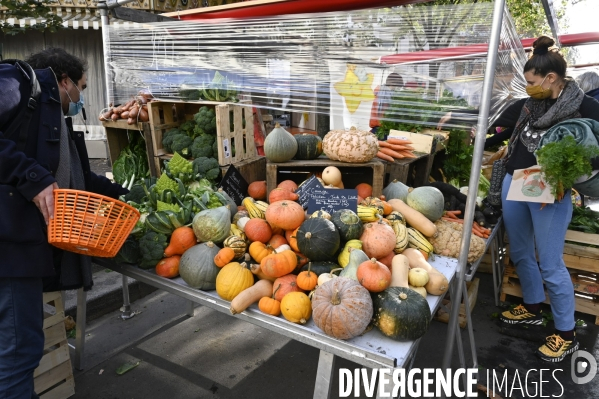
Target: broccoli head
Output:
[(151, 246), (206, 168), (136, 194), (181, 143), (187, 127), (206, 120), (202, 146), (167, 139)]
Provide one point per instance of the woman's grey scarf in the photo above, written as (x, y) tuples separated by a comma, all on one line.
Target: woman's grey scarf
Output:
[(539, 115), (75, 269)]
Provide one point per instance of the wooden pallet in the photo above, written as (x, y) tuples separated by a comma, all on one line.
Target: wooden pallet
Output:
[(53, 378), (117, 136), (442, 314), (353, 173), (165, 115)]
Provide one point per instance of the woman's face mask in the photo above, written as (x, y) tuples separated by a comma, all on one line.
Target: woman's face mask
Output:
[(537, 92), (75, 108)]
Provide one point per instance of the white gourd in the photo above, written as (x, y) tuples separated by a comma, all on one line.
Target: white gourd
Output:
[(355, 146)]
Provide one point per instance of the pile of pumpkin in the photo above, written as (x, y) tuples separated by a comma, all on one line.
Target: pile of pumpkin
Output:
[(344, 270)]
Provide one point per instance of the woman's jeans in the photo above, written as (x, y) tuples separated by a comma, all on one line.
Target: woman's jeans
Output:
[(529, 227), (21, 335)]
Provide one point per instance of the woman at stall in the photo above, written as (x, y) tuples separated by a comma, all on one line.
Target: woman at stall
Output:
[(553, 99)]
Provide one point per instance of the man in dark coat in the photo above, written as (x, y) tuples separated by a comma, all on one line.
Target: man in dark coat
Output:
[(54, 156)]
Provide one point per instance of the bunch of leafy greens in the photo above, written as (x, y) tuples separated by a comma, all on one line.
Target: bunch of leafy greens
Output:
[(132, 163), (584, 219), (563, 162)]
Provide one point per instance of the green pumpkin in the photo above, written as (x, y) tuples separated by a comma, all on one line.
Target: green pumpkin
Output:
[(318, 239), (212, 224), (348, 224), (320, 267), (309, 146), (427, 200), (197, 267), (279, 145), (401, 313), (396, 190)]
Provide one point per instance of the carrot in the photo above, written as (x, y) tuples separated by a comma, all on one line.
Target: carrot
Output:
[(450, 215), (384, 144), (392, 140), (390, 152), (408, 154), (385, 157), (476, 233), (398, 147)]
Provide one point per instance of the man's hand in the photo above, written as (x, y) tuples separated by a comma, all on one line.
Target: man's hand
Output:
[(444, 119), (45, 201)]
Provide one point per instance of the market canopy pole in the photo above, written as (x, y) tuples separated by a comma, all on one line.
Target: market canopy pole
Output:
[(479, 144), (551, 20)]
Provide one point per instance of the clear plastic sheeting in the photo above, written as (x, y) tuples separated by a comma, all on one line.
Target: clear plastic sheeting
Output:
[(335, 63)]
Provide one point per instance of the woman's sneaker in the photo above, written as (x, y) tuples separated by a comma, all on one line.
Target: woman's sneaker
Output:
[(557, 348), (520, 315)]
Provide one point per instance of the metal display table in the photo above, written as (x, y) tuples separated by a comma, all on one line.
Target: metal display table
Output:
[(372, 349)]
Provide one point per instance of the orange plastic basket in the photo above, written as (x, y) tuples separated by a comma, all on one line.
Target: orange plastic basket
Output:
[(89, 223)]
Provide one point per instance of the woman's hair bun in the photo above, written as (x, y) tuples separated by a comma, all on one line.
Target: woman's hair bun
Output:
[(543, 43)]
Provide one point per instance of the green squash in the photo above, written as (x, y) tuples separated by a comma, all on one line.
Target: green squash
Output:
[(279, 145), (427, 200), (309, 146), (401, 313), (356, 257), (212, 224), (348, 224), (197, 267), (318, 239), (320, 267), (396, 190)]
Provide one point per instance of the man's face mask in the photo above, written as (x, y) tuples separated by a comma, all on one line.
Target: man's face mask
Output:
[(75, 108), (537, 92)]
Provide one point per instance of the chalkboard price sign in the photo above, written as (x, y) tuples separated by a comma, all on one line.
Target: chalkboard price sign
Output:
[(331, 200), (305, 190), (234, 184)]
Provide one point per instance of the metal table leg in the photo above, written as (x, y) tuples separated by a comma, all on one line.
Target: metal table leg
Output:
[(126, 312), (190, 308), (324, 375), (470, 328), (80, 328)]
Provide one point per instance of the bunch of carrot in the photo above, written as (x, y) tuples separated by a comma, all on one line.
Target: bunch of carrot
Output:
[(477, 229), (394, 148)]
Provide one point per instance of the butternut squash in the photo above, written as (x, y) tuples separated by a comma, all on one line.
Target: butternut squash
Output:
[(437, 282), (250, 295), (399, 271), (414, 218)]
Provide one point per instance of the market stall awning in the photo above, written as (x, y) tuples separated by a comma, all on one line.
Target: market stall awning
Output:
[(480, 50), (73, 18), (263, 8)]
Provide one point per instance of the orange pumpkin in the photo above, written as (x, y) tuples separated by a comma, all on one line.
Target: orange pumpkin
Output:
[(378, 239), (277, 240), (387, 209), (386, 260), (281, 194), (257, 229), (288, 185), (285, 285), (364, 190), (307, 280), (301, 261), (258, 250), (287, 215), (257, 190), (373, 275), (279, 264), (270, 305), (182, 239), (168, 267), (224, 256), (291, 236)]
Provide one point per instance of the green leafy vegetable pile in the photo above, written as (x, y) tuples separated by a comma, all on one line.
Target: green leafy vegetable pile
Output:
[(132, 163), (563, 162), (584, 219)]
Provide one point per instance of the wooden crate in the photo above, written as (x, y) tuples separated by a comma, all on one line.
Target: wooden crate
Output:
[(53, 378), (578, 258), (251, 169), (353, 173), (165, 115), (472, 289), (117, 136)]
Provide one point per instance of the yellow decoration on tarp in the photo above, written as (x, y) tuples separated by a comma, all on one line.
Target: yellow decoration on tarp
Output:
[(355, 90)]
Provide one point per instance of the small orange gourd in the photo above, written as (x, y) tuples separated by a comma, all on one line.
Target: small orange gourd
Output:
[(277, 240), (257, 229), (182, 239), (288, 185), (224, 256), (307, 280), (168, 267), (279, 264), (258, 250), (270, 305), (288, 283), (373, 275), (257, 190), (280, 194), (291, 236)]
